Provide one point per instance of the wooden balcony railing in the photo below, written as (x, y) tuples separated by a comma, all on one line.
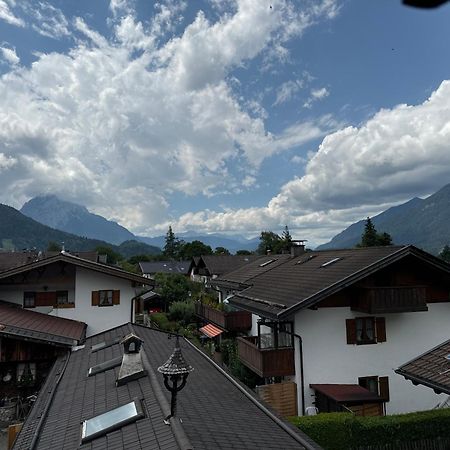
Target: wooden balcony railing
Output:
[(381, 300), (229, 320), (266, 362)]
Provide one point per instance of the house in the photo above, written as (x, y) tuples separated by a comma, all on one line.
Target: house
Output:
[(208, 267), (74, 288), (337, 322), (430, 369), (92, 400), (151, 268), (30, 342)]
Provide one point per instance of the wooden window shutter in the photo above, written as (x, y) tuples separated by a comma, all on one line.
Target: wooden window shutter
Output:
[(95, 298), (380, 324), (383, 384), (116, 297), (351, 331)]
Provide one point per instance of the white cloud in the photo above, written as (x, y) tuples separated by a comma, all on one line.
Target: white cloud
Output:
[(8, 16), (399, 153), (316, 94), (10, 55), (48, 20), (287, 91), (128, 121)]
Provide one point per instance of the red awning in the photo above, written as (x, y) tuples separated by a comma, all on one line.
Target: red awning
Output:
[(210, 330)]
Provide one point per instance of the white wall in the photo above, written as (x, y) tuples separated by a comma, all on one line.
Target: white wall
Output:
[(329, 359), (98, 318)]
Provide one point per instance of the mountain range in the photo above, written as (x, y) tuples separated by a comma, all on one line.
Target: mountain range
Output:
[(424, 223), (76, 219), (18, 232)]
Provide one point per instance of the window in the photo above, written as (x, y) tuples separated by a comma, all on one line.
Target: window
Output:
[(377, 385), (94, 370), (105, 298), (29, 299), (111, 420), (62, 298), (366, 330)]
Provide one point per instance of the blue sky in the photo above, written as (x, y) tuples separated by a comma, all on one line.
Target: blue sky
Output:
[(228, 116)]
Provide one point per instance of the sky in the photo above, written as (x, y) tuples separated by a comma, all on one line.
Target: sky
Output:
[(226, 116)]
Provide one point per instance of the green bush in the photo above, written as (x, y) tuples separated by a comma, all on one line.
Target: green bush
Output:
[(343, 431), (160, 320), (182, 312)]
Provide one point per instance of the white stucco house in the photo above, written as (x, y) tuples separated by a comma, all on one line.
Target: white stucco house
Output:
[(75, 288), (339, 322)]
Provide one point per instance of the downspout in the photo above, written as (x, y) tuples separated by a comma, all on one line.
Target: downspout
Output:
[(302, 376)]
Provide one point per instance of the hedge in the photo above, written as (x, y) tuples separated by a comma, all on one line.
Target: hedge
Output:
[(343, 431)]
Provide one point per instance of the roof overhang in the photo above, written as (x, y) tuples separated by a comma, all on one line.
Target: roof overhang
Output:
[(347, 393)]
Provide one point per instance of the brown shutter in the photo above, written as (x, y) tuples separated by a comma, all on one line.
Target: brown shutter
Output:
[(380, 324), (95, 298), (116, 297), (351, 331), (383, 384), (45, 299)]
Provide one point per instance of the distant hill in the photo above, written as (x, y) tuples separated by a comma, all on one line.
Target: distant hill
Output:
[(424, 223), (76, 219), (19, 231), (214, 240)]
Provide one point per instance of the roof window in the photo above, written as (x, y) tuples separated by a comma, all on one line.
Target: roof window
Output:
[(103, 344), (266, 263), (111, 420), (332, 261), (306, 259), (94, 370)]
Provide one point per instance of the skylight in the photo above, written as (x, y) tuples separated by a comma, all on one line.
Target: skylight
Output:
[(94, 370), (111, 420), (303, 260), (98, 346), (266, 263), (332, 261)]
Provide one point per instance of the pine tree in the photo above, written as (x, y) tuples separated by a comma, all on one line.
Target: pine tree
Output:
[(445, 253), (286, 238), (370, 237), (172, 245)]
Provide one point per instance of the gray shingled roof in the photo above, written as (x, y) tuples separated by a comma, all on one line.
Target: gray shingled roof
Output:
[(304, 280), (77, 261), (215, 413), (165, 267), (222, 264), (431, 369)]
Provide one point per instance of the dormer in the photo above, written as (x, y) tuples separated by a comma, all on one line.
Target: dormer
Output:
[(131, 343)]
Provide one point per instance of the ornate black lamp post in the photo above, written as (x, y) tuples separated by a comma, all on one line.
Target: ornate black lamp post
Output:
[(175, 370)]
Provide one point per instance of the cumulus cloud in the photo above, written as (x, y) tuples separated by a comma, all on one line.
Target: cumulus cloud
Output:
[(127, 121), (397, 154), (7, 14), (10, 55)]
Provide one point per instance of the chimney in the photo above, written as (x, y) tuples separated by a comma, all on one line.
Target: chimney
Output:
[(131, 367), (298, 247)]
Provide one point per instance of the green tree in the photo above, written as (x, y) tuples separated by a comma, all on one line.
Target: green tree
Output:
[(370, 237), (445, 253), (139, 258), (221, 251), (53, 247), (269, 241), (172, 246), (195, 248), (111, 256), (173, 287), (244, 252), (286, 239)]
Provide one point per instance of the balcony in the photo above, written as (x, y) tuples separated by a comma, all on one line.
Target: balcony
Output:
[(228, 320), (266, 362), (381, 300)]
